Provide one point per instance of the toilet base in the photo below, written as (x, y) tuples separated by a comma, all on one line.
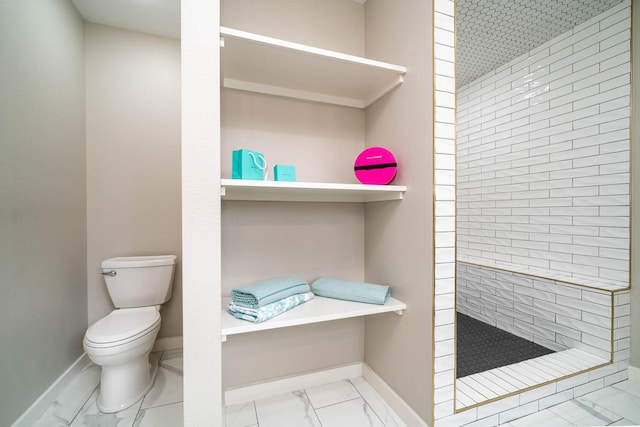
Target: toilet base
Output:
[(122, 386)]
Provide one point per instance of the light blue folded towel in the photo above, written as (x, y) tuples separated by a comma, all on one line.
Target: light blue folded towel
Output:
[(351, 291), (268, 311), (263, 293)]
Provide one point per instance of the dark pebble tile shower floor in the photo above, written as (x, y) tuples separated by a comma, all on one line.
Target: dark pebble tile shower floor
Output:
[(481, 347)]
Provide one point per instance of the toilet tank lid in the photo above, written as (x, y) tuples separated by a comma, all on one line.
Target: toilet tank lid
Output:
[(139, 261)]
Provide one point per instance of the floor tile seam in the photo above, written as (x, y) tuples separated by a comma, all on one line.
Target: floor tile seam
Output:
[(634, 396), (585, 397), (310, 405), (337, 403), (370, 405), (579, 402), (573, 421), (159, 406), (84, 404), (255, 413)]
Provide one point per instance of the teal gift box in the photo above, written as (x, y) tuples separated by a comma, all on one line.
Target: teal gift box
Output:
[(284, 173), (248, 164)]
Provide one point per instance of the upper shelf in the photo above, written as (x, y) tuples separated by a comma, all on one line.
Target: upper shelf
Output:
[(284, 191), (277, 67)]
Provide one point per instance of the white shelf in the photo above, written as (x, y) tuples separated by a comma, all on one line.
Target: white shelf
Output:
[(317, 310), (277, 67), (283, 191)]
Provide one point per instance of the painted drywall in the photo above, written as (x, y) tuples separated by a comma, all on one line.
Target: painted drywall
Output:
[(635, 193), (331, 24), (263, 240), (543, 156), (133, 158), (399, 236), (43, 307), (203, 405)]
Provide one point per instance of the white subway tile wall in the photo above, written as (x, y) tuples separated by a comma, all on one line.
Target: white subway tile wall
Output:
[(545, 150), (543, 158), (444, 208), (551, 313)]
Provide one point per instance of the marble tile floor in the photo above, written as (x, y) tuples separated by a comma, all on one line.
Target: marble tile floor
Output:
[(162, 406), (616, 405), (349, 403)]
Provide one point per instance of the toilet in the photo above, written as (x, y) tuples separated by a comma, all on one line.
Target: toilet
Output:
[(121, 342)]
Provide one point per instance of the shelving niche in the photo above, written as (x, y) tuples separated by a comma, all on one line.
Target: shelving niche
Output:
[(272, 66), (266, 65)]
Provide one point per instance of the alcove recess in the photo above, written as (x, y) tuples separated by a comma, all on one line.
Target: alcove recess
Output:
[(298, 87)]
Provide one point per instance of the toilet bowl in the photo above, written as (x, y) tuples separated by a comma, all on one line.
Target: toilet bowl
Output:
[(121, 341)]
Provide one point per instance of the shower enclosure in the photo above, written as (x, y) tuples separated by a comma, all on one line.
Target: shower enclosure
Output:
[(541, 141)]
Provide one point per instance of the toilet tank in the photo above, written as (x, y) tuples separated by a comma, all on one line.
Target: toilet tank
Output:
[(139, 281)]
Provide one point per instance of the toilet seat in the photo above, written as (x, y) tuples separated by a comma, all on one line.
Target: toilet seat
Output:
[(122, 326)]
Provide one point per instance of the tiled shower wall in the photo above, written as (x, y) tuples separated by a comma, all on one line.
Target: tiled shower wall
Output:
[(553, 314), (543, 156), (444, 210)]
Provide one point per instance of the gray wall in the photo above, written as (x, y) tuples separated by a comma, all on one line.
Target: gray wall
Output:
[(399, 236), (43, 292), (133, 157)]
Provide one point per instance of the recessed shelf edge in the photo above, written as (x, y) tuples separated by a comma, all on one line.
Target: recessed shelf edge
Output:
[(248, 190), (318, 310)]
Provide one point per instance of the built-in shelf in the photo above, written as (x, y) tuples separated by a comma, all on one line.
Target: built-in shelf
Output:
[(319, 309), (272, 66), (284, 191)]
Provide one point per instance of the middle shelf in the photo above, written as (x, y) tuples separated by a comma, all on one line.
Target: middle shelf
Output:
[(319, 309), (286, 191)]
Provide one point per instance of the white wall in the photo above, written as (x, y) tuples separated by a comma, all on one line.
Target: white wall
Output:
[(43, 305), (133, 157), (543, 156), (200, 65)]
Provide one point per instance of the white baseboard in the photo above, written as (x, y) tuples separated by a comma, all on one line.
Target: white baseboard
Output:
[(46, 399), (634, 373), (286, 385), (167, 343), (399, 406)]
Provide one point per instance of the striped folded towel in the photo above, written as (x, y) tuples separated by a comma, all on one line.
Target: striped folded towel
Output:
[(351, 291), (263, 293), (268, 311)]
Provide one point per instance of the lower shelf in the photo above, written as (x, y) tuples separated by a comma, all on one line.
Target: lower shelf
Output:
[(319, 309)]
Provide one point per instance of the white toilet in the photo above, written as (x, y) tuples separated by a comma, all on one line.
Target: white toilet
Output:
[(121, 342)]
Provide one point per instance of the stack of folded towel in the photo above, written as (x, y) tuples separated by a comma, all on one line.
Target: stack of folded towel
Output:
[(351, 291), (263, 300)]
